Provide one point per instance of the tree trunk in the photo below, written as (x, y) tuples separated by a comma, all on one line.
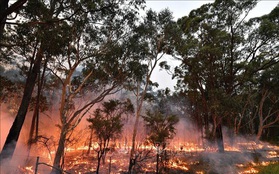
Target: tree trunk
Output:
[(260, 114), (260, 132), (132, 161), (132, 153), (60, 151), (34, 129), (12, 138), (219, 138), (90, 141), (99, 161)]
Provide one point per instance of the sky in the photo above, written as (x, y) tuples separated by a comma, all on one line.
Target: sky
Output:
[(181, 8)]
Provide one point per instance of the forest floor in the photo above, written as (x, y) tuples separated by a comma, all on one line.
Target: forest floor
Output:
[(205, 162)]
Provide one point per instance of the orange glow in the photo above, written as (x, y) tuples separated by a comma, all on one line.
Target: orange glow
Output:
[(183, 156), (26, 170), (250, 170)]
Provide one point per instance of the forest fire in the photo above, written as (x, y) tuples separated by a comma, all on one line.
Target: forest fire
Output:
[(79, 94), (191, 158)]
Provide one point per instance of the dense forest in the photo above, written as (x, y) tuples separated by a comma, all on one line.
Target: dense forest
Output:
[(79, 72)]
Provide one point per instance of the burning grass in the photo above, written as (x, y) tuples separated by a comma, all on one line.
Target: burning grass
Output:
[(189, 158), (247, 159)]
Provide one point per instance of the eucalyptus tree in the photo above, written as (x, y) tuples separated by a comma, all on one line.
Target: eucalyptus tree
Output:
[(107, 124), (96, 62), (152, 40), (264, 68), (268, 101), (261, 53), (217, 56), (31, 45), (70, 35)]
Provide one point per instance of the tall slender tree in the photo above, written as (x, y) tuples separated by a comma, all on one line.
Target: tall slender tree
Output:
[(152, 40)]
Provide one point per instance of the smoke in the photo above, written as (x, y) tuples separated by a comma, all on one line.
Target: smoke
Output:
[(5, 124), (187, 135), (186, 132), (22, 157), (224, 162), (239, 150)]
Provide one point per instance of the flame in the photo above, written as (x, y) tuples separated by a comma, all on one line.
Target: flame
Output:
[(118, 157), (272, 154), (199, 172), (250, 170), (178, 164), (26, 169)]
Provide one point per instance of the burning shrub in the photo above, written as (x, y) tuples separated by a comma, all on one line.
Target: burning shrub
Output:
[(107, 124)]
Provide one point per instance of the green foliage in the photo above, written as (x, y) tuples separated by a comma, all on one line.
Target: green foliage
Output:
[(270, 169), (161, 127), (107, 121), (8, 87), (223, 55), (44, 104)]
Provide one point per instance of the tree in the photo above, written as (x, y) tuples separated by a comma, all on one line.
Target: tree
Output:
[(217, 61), (39, 105), (261, 47), (267, 66), (152, 39), (160, 120), (6, 10), (104, 58), (268, 107), (107, 124), (55, 32), (161, 126), (34, 53), (12, 138)]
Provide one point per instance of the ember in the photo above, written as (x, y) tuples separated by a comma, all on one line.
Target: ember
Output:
[(26, 170), (251, 170)]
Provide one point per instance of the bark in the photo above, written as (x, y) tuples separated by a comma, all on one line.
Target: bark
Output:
[(12, 138), (219, 138), (34, 130), (60, 151), (90, 141), (140, 98), (99, 162), (260, 132), (266, 119), (132, 154), (101, 154)]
